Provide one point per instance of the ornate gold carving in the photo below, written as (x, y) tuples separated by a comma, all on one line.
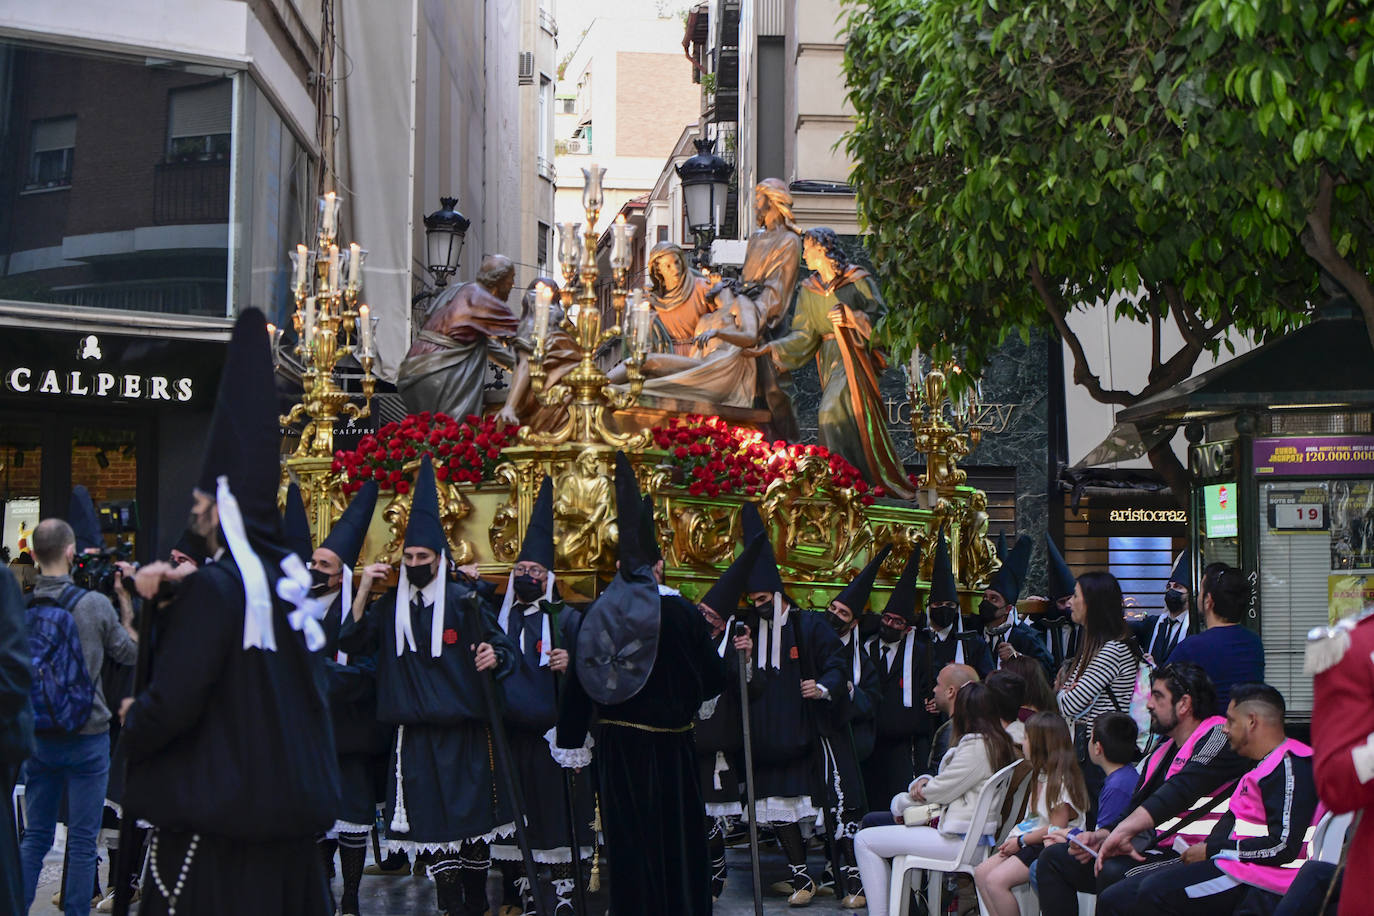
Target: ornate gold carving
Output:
[(584, 512), (977, 555), (454, 508), (820, 527)]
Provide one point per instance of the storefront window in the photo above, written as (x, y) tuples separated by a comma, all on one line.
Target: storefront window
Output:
[(21, 476), (105, 462)]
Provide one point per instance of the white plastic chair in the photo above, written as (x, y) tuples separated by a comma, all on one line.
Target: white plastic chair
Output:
[(1329, 836), (969, 853)]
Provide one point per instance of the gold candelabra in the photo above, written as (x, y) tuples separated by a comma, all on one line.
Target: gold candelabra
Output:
[(330, 323), (585, 391), (943, 442)]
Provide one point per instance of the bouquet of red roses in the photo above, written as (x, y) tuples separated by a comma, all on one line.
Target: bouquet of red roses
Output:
[(465, 451)]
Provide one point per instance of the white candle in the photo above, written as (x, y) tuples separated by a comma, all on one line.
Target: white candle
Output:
[(333, 268), (330, 217), (543, 301), (916, 376), (355, 267), (716, 224), (618, 246), (643, 321), (309, 328), (302, 265), (365, 328)]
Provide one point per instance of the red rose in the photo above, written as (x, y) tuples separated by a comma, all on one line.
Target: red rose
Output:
[(337, 466), (450, 637), (493, 453), (441, 473), (403, 487), (793, 653), (695, 488), (680, 451), (472, 419)]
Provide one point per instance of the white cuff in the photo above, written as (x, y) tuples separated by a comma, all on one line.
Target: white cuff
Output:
[(825, 694), (570, 758), (900, 802), (1362, 755)]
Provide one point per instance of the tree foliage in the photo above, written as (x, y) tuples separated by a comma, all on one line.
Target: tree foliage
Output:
[(1191, 162)]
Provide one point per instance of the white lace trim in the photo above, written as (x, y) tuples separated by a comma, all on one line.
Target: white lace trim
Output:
[(559, 856), (776, 810), (347, 827), (724, 809), (570, 758), (410, 847)]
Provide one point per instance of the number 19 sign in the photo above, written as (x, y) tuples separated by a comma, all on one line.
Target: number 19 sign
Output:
[(1297, 511)]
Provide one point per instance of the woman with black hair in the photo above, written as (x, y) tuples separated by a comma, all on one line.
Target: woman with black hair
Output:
[(979, 748), (1102, 677), (837, 307), (1229, 652)]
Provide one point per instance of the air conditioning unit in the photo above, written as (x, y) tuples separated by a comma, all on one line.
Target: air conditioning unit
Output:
[(526, 68), (578, 146)]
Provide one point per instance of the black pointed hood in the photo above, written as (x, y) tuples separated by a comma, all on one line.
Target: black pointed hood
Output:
[(1062, 579), (244, 442), (1011, 575), (723, 598), (648, 530), (538, 544), (1182, 572), (855, 595), (764, 577), (902, 600), (296, 524), (424, 528), (1002, 546), (346, 538), (943, 586), (85, 521), (617, 642), (193, 545)]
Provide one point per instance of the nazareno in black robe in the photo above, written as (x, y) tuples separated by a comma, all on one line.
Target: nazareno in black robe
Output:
[(651, 807), (363, 742), (234, 746), (448, 787)]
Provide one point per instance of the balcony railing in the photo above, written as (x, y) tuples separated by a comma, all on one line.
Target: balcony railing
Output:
[(191, 192)]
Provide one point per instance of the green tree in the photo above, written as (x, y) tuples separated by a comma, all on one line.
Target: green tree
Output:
[(1187, 162)]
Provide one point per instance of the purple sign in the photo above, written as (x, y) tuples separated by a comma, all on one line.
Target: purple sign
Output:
[(1314, 456)]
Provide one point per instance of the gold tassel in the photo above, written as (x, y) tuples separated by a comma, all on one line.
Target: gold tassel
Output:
[(594, 883)]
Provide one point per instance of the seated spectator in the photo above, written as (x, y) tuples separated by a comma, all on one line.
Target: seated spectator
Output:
[(948, 683), (980, 748), (1102, 677), (1180, 794), (1057, 801), (1039, 697), (1113, 747), (1008, 693), (1229, 652), (1250, 858)]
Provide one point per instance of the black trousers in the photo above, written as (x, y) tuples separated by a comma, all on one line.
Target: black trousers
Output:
[(1200, 889), (1305, 896), (1060, 877)]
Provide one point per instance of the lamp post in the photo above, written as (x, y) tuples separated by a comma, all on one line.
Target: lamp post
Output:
[(445, 231), (330, 324), (706, 184)]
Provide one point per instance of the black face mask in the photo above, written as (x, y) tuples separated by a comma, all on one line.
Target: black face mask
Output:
[(765, 610), (528, 588), (837, 623), (890, 634), (319, 583), (1174, 599), (988, 612), (421, 575), (942, 615)]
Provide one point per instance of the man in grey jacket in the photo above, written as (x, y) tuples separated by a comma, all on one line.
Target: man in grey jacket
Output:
[(79, 762)]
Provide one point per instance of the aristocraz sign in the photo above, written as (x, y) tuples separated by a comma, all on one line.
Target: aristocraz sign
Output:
[(40, 365)]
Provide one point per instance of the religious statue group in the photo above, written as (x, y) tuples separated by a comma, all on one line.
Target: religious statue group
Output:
[(721, 344)]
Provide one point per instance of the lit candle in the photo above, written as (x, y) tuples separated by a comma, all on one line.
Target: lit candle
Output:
[(355, 267), (333, 268), (365, 328), (309, 319), (272, 335), (543, 304), (329, 215), (302, 265)]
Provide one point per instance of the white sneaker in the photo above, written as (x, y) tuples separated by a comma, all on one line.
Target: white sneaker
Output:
[(106, 904)]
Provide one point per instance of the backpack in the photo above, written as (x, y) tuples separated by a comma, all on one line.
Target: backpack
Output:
[(1140, 696), (62, 691)]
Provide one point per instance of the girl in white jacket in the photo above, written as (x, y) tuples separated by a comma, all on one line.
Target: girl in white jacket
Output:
[(980, 747)]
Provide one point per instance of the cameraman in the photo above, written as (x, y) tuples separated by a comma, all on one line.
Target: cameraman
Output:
[(77, 763)]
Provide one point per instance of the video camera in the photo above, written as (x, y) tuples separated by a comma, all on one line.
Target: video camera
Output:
[(96, 571)]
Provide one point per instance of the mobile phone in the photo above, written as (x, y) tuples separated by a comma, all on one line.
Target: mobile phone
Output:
[(1073, 838)]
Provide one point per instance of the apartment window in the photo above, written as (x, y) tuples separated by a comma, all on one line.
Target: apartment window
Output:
[(542, 254), (545, 118), (567, 105), (53, 143), (199, 123)]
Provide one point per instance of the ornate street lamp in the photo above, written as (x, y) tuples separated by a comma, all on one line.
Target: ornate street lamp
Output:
[(706, 184), (445, 231)]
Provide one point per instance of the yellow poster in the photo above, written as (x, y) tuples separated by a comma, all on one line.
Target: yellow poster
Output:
[(1348, 595)]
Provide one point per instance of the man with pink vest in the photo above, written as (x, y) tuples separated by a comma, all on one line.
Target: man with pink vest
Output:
[(1181, 794), (1254, 852)]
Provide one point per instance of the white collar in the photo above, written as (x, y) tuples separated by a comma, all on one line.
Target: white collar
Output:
[(942, 635), (432, 594), (664, 590)]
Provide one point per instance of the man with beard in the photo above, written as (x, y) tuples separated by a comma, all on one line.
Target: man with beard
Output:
[(1006, 633), (850, 731), (803, 669), (904, 726), (719, 727), (361, 742), (230, 751), (645, 663), (530, 602), (443, 798), (1181, 795), (949, 642)]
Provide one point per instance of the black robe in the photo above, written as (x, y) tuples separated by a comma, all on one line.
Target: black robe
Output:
[(16, 732), (531, 710), (849, 730), (236, 746), (787, 750), (363, 742), (902, 743), (720, 735), (1025, 642), (448, 787), (976, 653), (651, 807)]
